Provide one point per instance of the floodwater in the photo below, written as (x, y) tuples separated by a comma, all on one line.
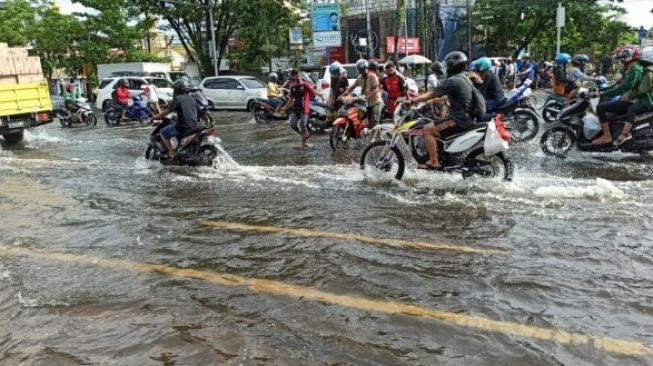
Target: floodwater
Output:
[(292, 257)]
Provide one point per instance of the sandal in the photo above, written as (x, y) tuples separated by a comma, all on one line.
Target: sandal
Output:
[(621, 139), (428, 167)]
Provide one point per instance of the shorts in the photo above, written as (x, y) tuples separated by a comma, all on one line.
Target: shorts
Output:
[(448, 127), (169, 132), (374, 114), (298, 121), (120, 106)]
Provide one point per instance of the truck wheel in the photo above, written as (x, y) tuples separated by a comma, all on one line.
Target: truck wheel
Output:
[(13, 138)]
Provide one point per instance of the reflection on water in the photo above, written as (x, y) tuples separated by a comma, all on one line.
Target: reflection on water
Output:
[(577, 234)]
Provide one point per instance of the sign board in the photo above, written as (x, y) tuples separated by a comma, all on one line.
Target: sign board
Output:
[(325, 19), (296, 36), (560, 17), (409, 45)]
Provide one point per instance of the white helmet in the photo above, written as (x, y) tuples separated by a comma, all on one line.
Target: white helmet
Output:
[(647, 55), (273, 76)]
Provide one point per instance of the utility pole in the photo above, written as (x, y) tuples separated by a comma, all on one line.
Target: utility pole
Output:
[(560, 22), (469, 29), (215, 44), (370, 50)]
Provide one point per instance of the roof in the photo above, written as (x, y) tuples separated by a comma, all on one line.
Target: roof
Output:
[(237, 77)]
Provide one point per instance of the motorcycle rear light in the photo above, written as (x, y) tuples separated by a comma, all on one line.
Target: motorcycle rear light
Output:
[(325, 85)]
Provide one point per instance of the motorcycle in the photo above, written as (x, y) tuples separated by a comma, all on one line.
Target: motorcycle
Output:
[(202, 103), (77, 111), (197, 147), (568, 130), (463, 152), (137, 111), (350, 124), (317, 119), (519, 113), (264, 111), (555, 103)]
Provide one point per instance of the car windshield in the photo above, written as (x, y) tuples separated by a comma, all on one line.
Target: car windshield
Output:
[(104, 83), (176, 75), (252, 83), (159, 83)]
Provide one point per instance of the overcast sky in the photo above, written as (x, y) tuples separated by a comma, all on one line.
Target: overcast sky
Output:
[(638, 11)]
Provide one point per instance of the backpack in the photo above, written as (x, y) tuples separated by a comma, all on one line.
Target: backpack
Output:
[(478, 101)]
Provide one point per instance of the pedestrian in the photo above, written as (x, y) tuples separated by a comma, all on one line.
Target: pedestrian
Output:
[(502, 72), (151, 98), (510, 74), (299, 99)]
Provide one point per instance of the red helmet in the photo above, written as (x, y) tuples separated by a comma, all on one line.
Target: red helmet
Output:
[(627, 54)]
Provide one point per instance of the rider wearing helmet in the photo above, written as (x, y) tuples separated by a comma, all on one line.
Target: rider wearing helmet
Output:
[(437, 75), (185, 107), (122, 97), (526, 70), (577, 74), (274, 91), (459, 90), (368, 81), (488, 83), (69, 97), (561, 83), (393, 84), (630, 57), (339, 84)]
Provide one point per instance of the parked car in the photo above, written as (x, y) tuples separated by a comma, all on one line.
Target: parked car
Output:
[(324, 82), (233, 92), (108, 85)]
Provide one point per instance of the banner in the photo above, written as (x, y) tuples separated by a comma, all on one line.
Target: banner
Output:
[(296, 36), (326, 25), (410, 46)]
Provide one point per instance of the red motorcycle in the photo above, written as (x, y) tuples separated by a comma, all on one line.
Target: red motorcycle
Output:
[(350, 124)]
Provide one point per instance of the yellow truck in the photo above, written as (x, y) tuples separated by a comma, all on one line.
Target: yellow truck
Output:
[(23, 105)]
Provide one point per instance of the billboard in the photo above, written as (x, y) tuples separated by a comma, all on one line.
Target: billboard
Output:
[(325, 19), (410, 45)]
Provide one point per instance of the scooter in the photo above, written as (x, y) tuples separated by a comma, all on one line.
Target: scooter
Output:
[(519, 113), (137, 111), (568, 130), (317, 120), (77, 111), (196, 147), (264, 111)]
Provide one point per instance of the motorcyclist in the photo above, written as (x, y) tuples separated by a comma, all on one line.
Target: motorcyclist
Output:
[(370, 86), (186, 108), (394, 84), (122, 98), (526, 70), (69, 97), (641, 97), (488, 83), (299, 98), (437, 75), (629, 57), (274, 91), (339, 83), (561, 81), (459, 90)]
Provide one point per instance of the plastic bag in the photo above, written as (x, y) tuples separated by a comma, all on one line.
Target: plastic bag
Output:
[(493, 143), (591, 126)]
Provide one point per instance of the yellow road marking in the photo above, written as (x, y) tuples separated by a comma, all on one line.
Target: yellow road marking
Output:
[(398, 243), (608, 344)]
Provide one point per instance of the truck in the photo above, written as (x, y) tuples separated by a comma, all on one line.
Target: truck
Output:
[(24, 94), (152, 69)]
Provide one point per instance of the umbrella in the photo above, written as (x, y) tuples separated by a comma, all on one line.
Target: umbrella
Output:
[(414, 60)]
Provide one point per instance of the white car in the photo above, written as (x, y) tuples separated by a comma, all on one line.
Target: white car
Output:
[(324, 81), (108, 85), (233, 92)]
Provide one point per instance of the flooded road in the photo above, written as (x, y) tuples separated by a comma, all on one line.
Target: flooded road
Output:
[(293, 257)]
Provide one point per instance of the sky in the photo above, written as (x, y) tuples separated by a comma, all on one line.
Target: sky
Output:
[(638, 11)]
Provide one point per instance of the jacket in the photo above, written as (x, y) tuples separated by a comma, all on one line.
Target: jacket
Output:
[(644, 92), (630, 82)]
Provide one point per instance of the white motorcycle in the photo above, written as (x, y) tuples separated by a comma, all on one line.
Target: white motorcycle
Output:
[(77, 111), (463, 152)]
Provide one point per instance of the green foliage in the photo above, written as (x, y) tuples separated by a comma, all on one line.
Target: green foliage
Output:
[(17, 19)]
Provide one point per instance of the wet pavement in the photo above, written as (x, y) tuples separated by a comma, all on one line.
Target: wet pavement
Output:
[(294, 257)]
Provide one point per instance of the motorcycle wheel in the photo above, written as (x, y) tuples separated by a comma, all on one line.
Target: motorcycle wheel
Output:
[(336, 137), (376, 159), (490, 167), (208, 154), (557, 142), (259, 116), (63, 122), (152, 153), (110, 118), (549, 110), (524, 125)]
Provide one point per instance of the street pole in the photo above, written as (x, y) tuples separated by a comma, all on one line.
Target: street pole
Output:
[(370, 50), (469, 28), (215, 45), (560, 22)]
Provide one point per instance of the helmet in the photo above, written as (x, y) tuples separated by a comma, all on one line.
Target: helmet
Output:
[(580, 60), (647, 55), (334, 68), (273, 76), (483, 64), (70, 87), (373, 65), (362, 65), (123, 82), (454, 60), (627, 54), (180, 86), (562, 58), (437, 66)]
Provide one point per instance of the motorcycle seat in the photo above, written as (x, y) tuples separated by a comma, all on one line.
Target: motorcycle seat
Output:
[(191, 132), (487, 117), (640, 118)]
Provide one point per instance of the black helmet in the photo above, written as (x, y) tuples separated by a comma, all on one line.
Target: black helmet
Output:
[(180, 86), (437, 66), (456, 62), (580, 60), (373, 65), (123, 82)]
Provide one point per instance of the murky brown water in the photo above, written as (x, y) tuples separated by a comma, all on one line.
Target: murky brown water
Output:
[(576, 236)]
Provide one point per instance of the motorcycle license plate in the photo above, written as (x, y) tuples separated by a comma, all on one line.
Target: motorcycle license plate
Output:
[(17, 124)]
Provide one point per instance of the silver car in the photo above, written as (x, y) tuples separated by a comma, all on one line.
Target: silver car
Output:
[(233, 92)]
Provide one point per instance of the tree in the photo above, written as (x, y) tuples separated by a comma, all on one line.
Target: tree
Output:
[(54, 37), (17, 19), (400, 18)]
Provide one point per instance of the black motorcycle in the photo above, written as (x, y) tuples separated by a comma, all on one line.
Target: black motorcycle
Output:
[(264, 112), (317, 119), (196, 147), (567, 131)]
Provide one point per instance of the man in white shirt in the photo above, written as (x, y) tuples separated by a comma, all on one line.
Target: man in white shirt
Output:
[(150, 96)]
